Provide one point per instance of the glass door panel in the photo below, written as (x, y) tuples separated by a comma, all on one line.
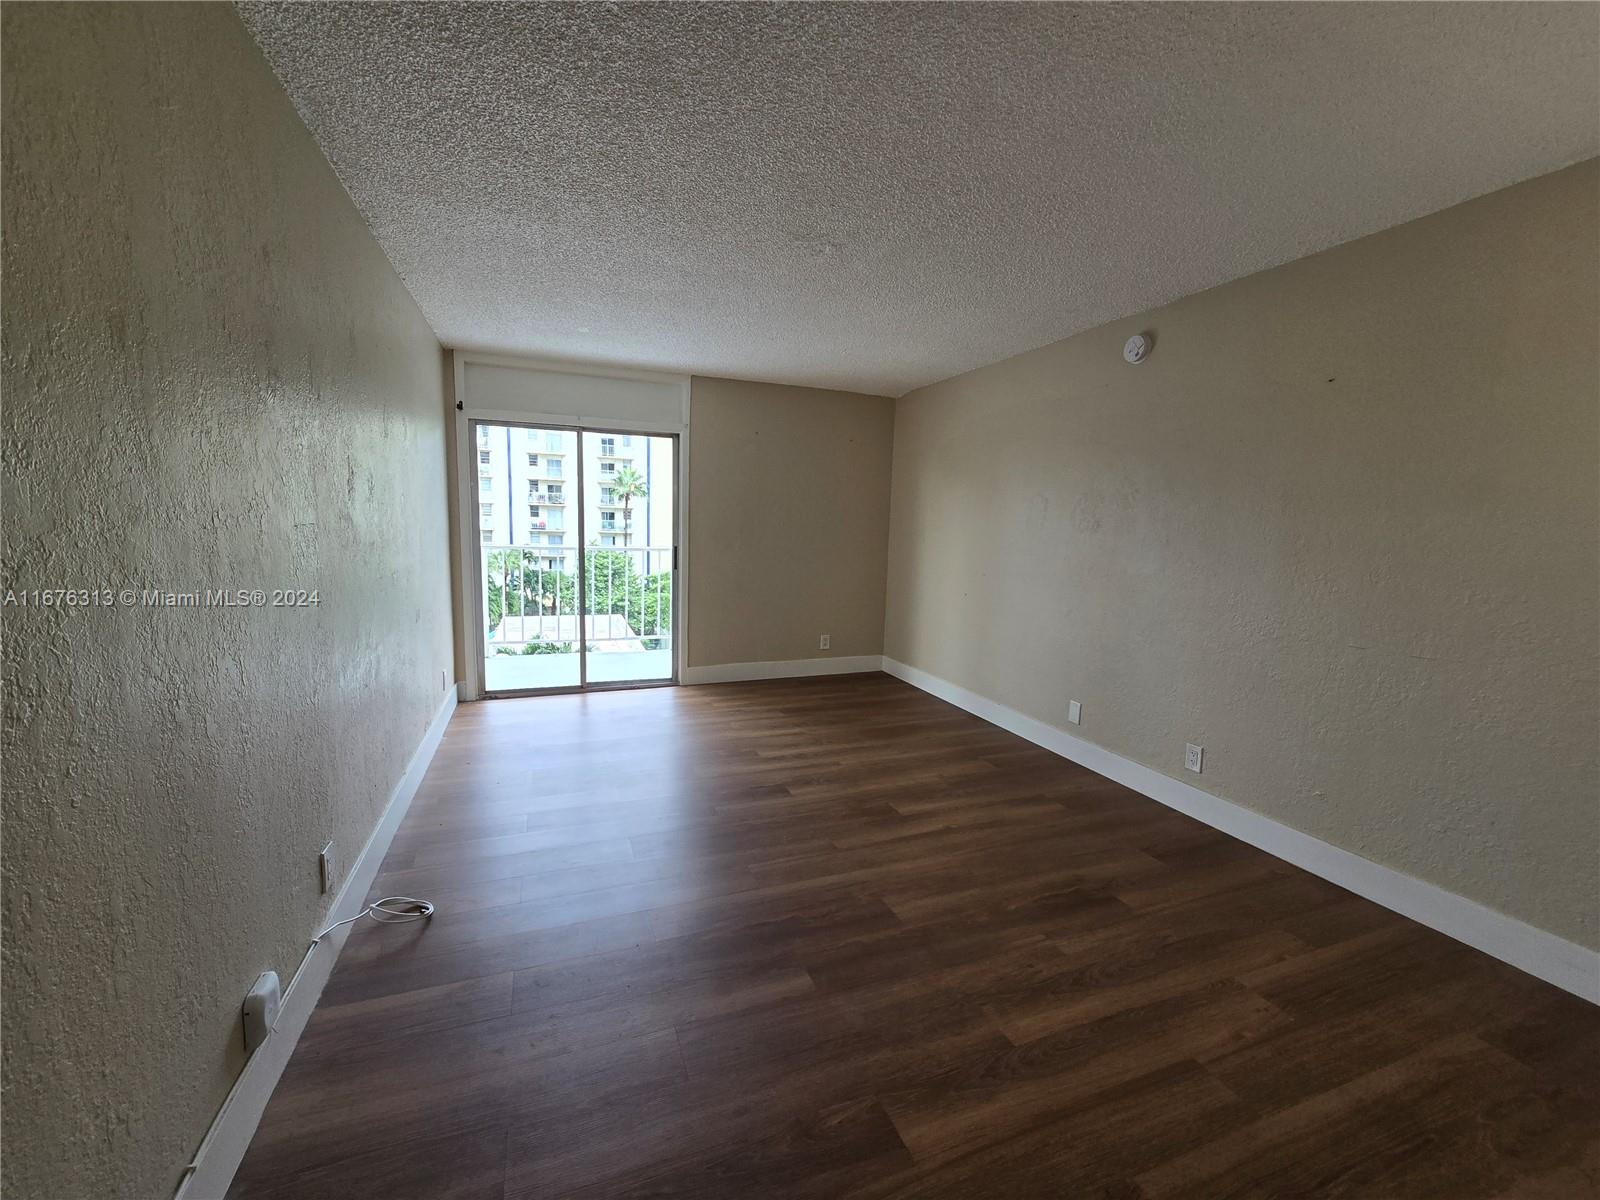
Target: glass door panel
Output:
[(629, 512), (529, 546)]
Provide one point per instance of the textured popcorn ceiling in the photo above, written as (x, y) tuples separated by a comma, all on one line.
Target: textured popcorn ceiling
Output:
[(876, 197)]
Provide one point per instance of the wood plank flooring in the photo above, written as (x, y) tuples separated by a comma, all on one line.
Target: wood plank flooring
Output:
[(835, 938)]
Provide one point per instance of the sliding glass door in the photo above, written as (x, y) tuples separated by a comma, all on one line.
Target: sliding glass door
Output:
[(628, 556), (577, 535), (529, 542)]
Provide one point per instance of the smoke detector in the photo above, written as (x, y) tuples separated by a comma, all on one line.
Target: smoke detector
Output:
[(1137, 348)]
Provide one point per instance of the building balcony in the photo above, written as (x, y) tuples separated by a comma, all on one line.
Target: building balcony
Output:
[(530, 600)]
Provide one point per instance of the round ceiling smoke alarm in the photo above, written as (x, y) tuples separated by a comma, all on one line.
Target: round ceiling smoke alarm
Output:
[(1137, 348)]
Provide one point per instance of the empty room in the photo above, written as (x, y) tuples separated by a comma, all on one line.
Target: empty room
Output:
[(821, 600)]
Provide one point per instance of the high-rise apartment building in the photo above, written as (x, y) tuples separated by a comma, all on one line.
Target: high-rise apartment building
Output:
[(528, 489)]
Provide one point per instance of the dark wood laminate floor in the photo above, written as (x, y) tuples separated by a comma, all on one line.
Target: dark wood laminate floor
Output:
[(835, 938)]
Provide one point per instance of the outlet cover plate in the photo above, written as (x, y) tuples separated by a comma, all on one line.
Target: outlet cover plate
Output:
[(259, 1012), (327, 869), (1192, 757)]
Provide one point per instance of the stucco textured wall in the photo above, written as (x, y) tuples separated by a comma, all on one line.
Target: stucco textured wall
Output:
[(1341, 529), (212, 377), (788, 521)]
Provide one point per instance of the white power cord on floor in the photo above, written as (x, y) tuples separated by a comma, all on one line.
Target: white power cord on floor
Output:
[(391, 910)]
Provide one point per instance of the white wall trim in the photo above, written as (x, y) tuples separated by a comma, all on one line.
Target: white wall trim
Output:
[(1568, 965), (221, 1150), (793, 668), (568, 366)]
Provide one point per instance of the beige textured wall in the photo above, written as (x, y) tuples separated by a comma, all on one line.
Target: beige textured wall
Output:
[(212, 377), (788, 521), (1341, 529)]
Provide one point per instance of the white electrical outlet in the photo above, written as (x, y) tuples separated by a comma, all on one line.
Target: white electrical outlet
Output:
[(327, 869), (1074, 712), (444, 681), (260, 1010), (826, 642), (1192, 755)]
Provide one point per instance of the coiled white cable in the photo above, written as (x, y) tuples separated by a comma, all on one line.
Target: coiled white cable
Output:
[(391, 910)]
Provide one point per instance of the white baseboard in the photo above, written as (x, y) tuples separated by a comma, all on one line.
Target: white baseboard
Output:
[(1542, 954), (229, 1137), (793, 668)]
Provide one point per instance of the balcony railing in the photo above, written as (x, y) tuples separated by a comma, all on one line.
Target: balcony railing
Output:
[(530, 596)]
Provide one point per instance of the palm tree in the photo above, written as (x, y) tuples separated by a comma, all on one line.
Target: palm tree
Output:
[(628, 485)]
